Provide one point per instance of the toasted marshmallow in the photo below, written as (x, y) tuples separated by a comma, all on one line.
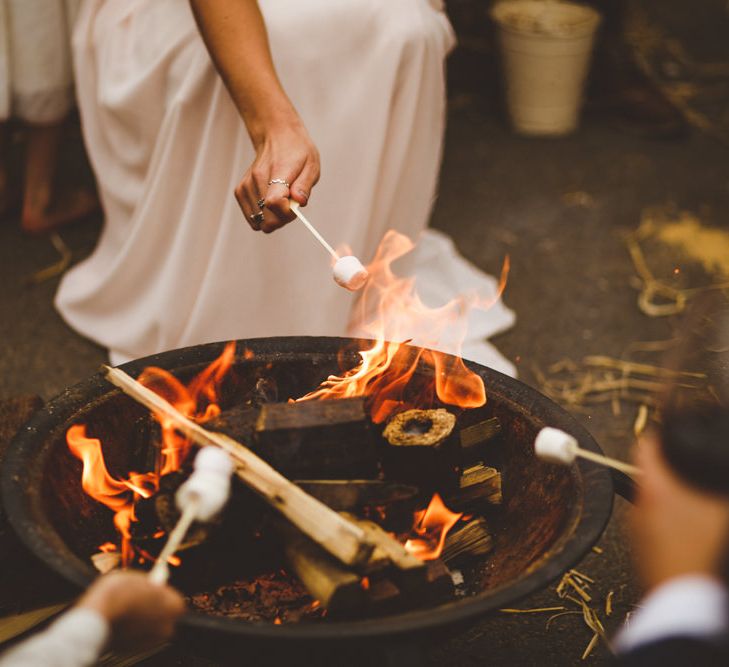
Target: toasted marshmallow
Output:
[(555, 446), (208, 485), (349, 273)]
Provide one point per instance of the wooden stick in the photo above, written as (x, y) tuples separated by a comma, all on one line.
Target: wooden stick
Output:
[(160, 571), (297, 212), (338, 536), (627, 468), (327, 580)]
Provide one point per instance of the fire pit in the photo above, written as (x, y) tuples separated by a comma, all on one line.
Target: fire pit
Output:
[(550, 516)]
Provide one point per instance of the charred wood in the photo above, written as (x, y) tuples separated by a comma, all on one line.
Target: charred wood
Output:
[(322, 439), (471, 539)]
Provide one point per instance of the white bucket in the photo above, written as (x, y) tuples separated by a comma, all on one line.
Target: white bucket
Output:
[(546, 47)]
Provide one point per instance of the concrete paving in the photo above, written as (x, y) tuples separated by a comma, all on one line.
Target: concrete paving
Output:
[(571, 285)]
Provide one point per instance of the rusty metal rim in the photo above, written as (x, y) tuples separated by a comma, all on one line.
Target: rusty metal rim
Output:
[(28, 518)]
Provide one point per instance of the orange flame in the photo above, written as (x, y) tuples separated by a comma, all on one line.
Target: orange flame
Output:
[(198, 400), (432, 525), (118, 495), (390, 311)]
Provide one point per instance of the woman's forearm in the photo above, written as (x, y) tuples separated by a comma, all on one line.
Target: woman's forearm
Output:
[(235, 35)]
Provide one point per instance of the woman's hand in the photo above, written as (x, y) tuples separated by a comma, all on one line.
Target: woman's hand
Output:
[(287, 162), (286, 167)]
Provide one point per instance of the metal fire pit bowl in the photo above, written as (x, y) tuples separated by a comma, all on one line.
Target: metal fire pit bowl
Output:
[(551, 515)]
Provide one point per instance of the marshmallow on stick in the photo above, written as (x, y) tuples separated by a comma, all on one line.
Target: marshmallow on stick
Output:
[(200, 498), (348, 271), (556, 446)]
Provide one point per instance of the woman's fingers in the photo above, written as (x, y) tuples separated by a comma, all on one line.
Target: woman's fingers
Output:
[(246, 194), (277, 206), (301, 187)]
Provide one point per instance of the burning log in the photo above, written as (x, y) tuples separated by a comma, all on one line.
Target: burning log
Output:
[(391, 503), (328, 581), (472, 539), (307, 438), (344, 540), (389, 550), (478, 484), (478, 434)]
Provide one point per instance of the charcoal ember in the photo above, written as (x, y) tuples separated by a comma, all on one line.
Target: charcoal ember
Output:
[(273, 597), (265, 391), (422, 448)]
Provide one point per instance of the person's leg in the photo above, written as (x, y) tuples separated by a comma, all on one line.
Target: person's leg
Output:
[(6, 194), (43, 209), (40, 161)]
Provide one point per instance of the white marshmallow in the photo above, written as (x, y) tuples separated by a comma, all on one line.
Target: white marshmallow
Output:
[(209, 483), (214, 459), (555, 446), (349, 273)]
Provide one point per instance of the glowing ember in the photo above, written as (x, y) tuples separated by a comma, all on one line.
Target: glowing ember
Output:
[(391, 312), (432, 526), (198, 401)]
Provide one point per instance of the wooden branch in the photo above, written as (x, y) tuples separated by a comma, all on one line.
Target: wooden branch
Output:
[(472, 539), (475, 435), (479, 483), (388, 548), (338, 536), (337, 588)]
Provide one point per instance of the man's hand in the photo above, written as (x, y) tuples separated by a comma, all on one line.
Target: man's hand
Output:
[(140, 613), (677, 529)]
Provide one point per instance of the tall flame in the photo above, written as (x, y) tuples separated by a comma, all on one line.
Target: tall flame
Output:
[(391, 312), (118, 495), (198, 400), (431, 526)]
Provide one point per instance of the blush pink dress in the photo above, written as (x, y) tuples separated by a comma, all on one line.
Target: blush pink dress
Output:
[(176, 263)]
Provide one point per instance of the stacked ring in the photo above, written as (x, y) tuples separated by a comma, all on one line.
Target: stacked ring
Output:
[(280, 181)]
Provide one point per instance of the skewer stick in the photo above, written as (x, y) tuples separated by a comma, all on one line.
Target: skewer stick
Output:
[(556, 446), (160, 572), (340, 537), (297, 211), (627, 468)]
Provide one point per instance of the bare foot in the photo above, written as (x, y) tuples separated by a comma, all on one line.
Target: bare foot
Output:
[(69, 208)]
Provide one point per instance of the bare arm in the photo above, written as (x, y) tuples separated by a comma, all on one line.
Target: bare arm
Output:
[(235, 35)]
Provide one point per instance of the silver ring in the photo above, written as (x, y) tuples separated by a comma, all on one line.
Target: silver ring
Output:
[(280, 181), (257, 217), (261, 203)]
